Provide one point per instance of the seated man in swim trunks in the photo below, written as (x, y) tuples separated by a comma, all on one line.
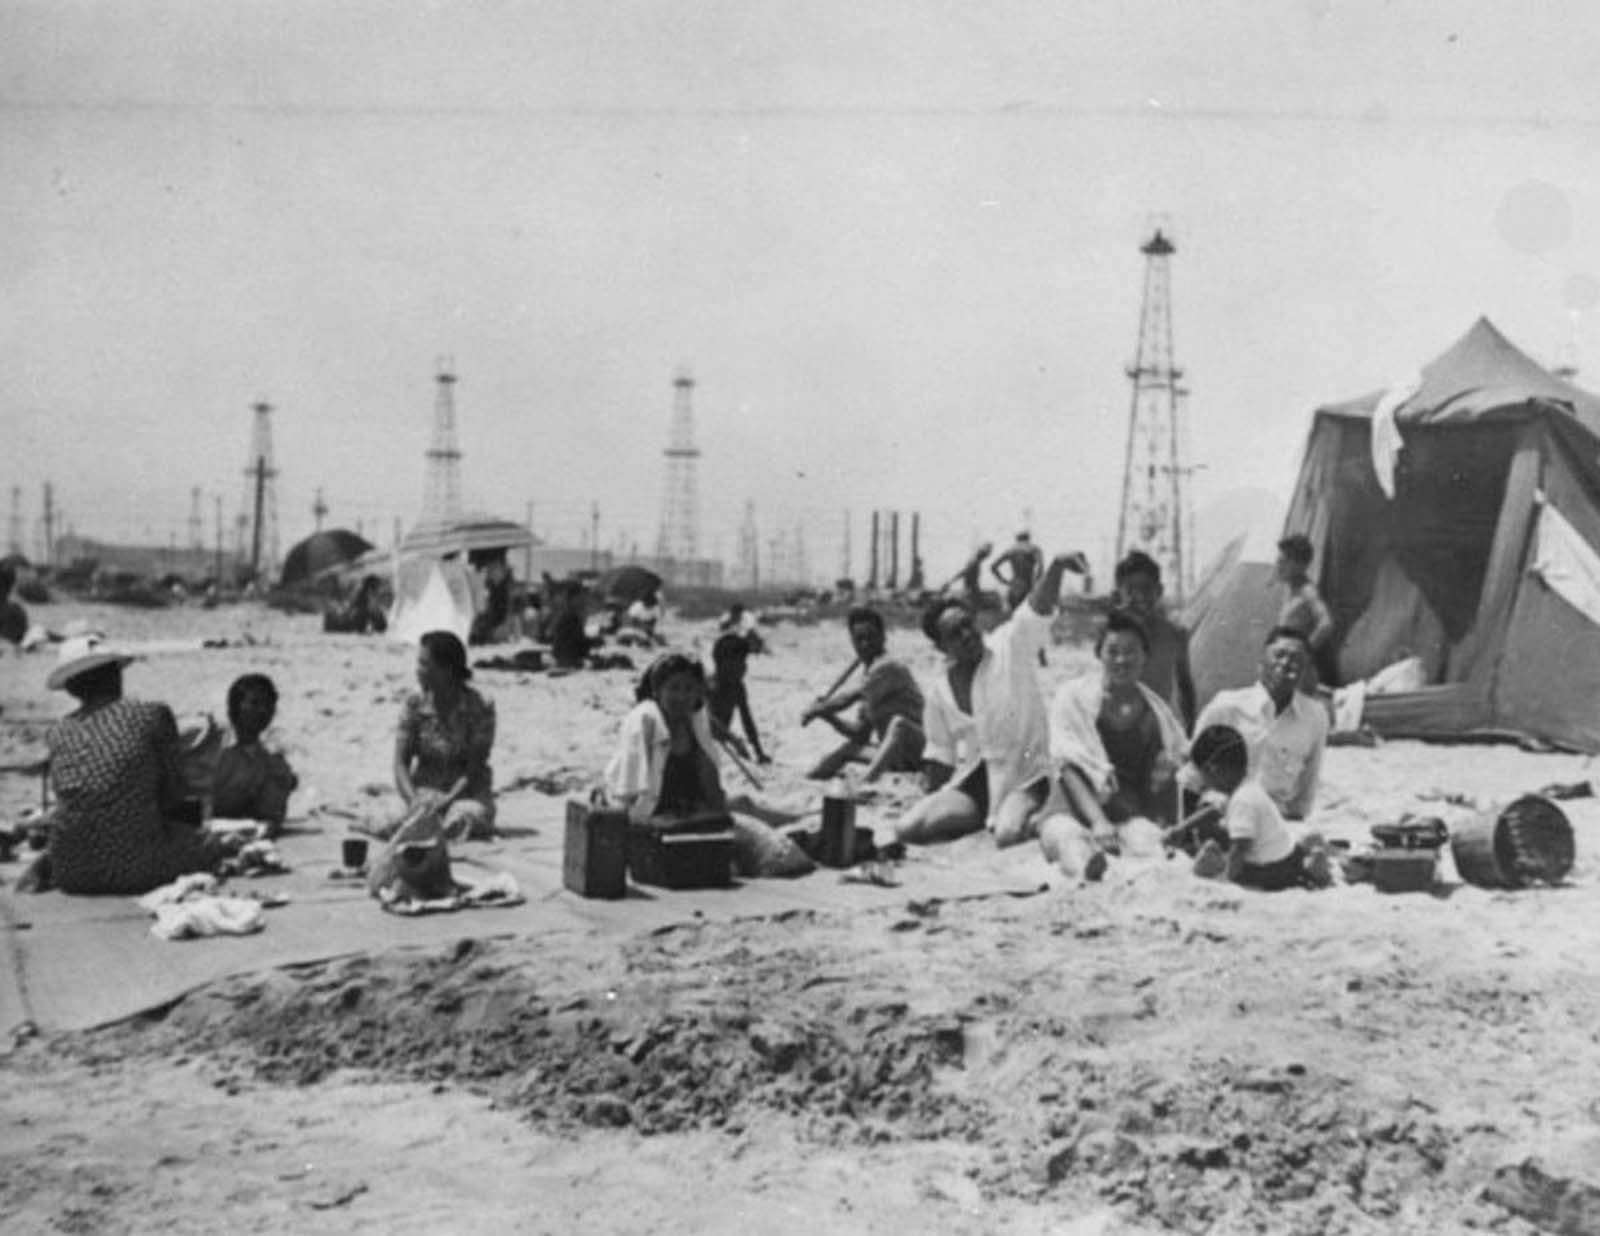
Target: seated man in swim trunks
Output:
[(988, 739), (887, 735)]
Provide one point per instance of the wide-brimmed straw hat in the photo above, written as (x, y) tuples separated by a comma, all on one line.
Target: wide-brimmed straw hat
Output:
[(79, 655)]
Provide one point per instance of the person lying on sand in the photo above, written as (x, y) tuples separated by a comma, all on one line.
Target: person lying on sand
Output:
[(1116, 747), (1259, 851), (443, 742), (1166, 670), (666, 766), (123, 822), (253, 779), (887, 736), (727, 697), (1284, 730), (987, 736)]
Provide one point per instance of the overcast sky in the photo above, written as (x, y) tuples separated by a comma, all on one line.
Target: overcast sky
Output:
[(896, 243)]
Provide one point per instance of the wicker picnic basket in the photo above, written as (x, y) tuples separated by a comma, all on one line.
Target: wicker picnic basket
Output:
[(1529, 842)]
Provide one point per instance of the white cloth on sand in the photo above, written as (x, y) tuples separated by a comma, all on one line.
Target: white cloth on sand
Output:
[(190, 908)]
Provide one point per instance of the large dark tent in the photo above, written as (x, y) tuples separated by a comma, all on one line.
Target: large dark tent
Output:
[(1456, 518)]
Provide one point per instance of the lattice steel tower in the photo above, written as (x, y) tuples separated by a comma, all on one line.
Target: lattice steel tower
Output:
[(258, 512), (680, 507), (1155, 477), (441, 482)]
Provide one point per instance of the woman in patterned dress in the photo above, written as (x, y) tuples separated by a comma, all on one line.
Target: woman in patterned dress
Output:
[(445, 735), (114, 765)]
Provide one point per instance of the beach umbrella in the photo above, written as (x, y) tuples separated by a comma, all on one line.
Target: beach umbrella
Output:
[(320, 552), (16, 562), (628, 584), (462, 534)]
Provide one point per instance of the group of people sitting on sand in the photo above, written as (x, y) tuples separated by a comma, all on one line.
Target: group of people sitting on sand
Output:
[(1112, 746)]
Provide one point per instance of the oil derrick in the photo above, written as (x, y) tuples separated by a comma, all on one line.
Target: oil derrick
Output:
[(441, 480), (258, 518), (680, 514), (1154, 515), (749, 564)]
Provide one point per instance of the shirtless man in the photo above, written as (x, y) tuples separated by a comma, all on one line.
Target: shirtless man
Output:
[(1023, 563)]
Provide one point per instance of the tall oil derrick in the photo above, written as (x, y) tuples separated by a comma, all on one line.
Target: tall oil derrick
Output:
[(679, 538), (258, 515), (441, 479), (1155, 480)]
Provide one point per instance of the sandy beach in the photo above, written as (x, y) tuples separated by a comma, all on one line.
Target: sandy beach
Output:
[(1155, 1053)]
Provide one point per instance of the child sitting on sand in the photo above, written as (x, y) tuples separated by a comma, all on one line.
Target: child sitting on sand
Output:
[(726, 696), (1260, 852), (253, 780)]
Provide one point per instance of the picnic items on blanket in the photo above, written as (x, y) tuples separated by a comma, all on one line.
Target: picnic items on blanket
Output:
[(499, 890), (1528, 842), (192, 906), (682, 852), (594, 859), (1406, 858)]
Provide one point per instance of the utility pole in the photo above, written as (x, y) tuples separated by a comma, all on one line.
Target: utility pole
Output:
[(49, 524), (844, 558), (527, 554), (217, 508), (594, 537)]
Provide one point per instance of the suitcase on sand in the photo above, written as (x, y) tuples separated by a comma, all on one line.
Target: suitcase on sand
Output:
[(595, 859), (696, 852)]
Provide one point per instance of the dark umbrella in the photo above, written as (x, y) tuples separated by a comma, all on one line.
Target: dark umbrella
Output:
[(320, 551), (16, 562), (628, 584)]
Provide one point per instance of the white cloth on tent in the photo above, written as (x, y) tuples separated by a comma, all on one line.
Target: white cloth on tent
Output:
[(431, 596), (1386, 441), (1567, 562)]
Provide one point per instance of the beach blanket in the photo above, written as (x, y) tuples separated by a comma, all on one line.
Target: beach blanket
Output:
[(1075, 738)]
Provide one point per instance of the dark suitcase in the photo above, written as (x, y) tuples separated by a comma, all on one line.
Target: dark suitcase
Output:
[(689, 853), (595, 860)]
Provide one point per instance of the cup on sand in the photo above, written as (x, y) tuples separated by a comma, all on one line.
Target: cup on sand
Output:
[(353, 853)]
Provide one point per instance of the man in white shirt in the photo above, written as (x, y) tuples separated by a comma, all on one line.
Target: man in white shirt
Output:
[(1284, 730), (988, 738)]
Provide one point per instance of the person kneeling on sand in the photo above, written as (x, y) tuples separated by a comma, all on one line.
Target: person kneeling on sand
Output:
[(987, 758), (666, 768), (124, 822), (1256, 850), (441, 750), (887, 736), (1116, 746), (253, 779)]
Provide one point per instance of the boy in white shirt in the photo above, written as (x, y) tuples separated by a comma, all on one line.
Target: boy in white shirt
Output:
[(1261, 853)]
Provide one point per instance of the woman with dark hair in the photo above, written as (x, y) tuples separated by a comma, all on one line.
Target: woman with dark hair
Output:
[(446, 732), (1117, 747), (666, 765), (253, 779), (122, 823)]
